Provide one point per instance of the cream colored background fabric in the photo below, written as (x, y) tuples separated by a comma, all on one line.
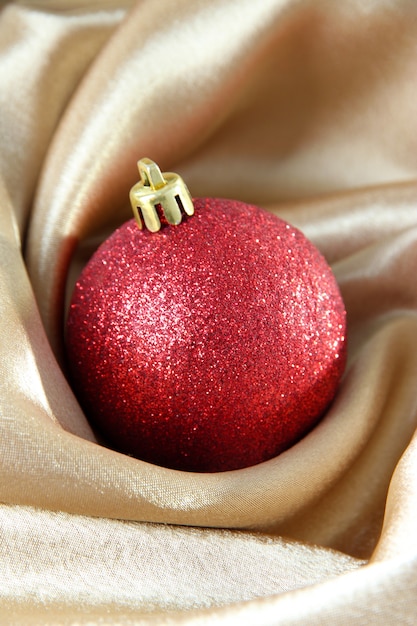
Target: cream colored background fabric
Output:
[(308, 109)]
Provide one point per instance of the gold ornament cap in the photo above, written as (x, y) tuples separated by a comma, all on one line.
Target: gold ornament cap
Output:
[(154, 191)]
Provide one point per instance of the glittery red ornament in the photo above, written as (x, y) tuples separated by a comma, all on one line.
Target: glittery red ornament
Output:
[(209, 346)]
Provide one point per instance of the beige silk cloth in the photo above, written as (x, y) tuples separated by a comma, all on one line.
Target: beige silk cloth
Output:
[(307, 108)]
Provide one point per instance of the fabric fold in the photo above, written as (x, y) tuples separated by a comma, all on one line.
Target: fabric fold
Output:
[(307, 109)]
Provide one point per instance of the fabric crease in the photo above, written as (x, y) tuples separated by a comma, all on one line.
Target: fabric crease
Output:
[(307, 109)]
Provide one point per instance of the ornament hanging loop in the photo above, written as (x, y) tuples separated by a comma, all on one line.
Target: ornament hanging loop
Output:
[(166, 192), (150, 174)]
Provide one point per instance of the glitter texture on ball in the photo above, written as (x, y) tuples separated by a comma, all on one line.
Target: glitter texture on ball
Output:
[(209, 346)]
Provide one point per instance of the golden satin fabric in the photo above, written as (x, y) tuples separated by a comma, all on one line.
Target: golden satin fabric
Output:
[(308, 109)]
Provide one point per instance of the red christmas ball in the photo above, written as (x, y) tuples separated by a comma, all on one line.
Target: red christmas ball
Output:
[(208, 346)]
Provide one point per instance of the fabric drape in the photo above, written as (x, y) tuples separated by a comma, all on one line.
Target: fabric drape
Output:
[(306, 108)]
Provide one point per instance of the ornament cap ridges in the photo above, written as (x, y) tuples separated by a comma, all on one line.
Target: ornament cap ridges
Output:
[(156, 190)]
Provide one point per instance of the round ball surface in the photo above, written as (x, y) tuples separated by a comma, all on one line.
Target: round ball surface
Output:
[(209, 346)]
